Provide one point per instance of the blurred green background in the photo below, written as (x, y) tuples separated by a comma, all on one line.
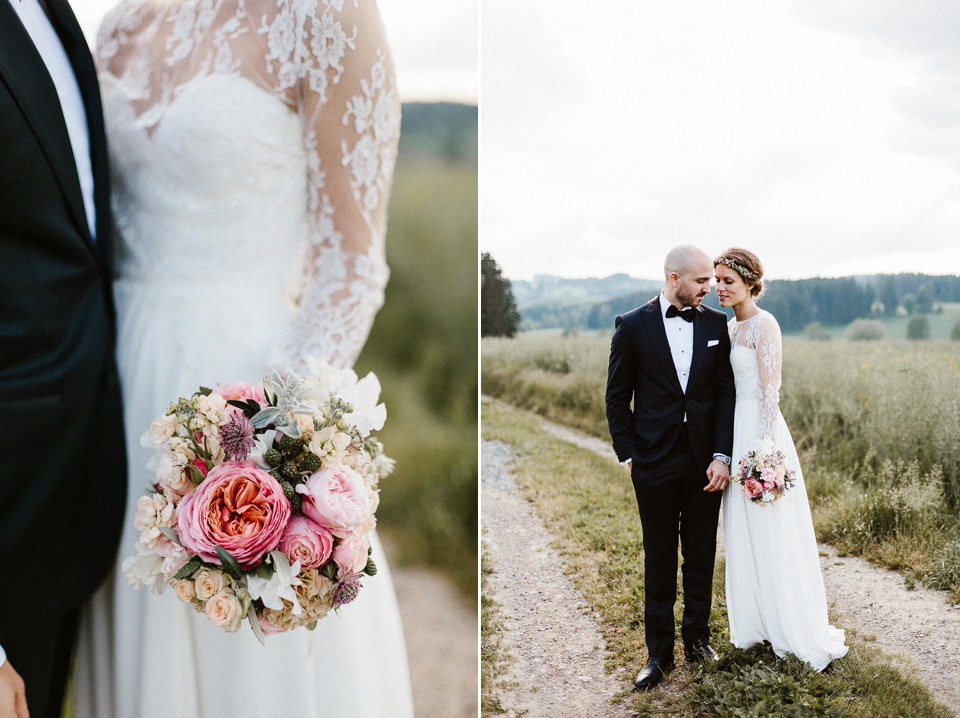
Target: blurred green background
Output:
[(424, 345)]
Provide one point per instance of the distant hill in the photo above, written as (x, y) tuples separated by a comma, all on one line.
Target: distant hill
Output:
[(834, 302), (549, 302), (444, 130)]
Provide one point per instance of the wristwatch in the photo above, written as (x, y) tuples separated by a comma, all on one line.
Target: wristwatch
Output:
[(722, 457)]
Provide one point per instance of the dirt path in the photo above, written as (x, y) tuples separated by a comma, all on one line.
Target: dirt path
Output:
[(442, 644), (557, 667), (918, 626)]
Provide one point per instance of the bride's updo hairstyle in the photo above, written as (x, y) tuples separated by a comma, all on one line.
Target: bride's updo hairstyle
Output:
[(747, 265)]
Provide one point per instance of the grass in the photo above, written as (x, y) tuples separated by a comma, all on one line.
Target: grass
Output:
[(493, 656), (423, 348), (876, 425), (941, 324), (588, 506)]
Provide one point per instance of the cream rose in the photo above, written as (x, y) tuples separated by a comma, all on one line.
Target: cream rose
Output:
[(185, 590), (225, 611), (208, 582)]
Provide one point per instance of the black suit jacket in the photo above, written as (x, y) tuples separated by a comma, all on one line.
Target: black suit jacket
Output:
[(642, 370), (62, 467)]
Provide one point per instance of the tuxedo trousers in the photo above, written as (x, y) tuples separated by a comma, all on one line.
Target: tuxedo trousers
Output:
[(674, 509), (40, 653)]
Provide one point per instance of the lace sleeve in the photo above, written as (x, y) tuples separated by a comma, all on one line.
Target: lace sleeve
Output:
[(348, 102), (769, 360)]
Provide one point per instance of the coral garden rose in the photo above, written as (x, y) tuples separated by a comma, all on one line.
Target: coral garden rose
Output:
[(337, 499), (754, 488), (307, 542), (239, 507)]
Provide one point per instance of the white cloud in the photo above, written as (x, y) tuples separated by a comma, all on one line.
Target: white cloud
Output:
[(613, 131)]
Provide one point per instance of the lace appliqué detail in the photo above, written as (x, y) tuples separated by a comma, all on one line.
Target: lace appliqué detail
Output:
[(762, 334), (327, 61)]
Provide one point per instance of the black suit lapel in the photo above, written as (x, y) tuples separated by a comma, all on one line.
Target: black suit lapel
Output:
[(653, 323), (75, 45), (699, 344), (24, 72)]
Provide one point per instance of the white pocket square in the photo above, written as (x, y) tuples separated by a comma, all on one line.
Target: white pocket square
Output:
[(712, 343)]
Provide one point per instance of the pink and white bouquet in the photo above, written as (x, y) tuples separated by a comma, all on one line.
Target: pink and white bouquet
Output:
[(263, 498), (763, 474)]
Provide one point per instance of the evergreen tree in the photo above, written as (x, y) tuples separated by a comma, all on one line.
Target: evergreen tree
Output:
[(888, 295), (924, 300), (498, 309)]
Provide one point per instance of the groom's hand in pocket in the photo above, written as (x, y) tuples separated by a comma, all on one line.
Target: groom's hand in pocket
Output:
[(718, 475), (13, 699)]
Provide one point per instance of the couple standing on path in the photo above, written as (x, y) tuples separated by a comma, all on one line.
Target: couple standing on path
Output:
[(704, 393)]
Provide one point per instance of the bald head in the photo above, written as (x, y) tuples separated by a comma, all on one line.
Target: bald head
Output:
[(687, 259), (687, 270)]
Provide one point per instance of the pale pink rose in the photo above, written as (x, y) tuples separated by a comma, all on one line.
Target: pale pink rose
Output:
[(307, 542), (781, 471), (268, 628), (351, 555), (768, 485), (768, 476), (241, 391), (239, 507), (754, 488), (225, 611), (336, 498)]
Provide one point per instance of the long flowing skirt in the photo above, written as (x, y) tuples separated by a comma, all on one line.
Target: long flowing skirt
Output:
[(773, 582), (147, 656)]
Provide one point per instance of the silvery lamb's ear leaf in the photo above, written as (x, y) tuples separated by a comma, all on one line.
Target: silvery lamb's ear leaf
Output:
[(229, 563)]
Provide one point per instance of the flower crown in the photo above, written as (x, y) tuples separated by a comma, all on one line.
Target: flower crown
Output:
[(738, 268)]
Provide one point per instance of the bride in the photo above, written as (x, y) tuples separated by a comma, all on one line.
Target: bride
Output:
[(774, 585), (252, 145)]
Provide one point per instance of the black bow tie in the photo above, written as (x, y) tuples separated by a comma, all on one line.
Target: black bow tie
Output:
[(686, 315)]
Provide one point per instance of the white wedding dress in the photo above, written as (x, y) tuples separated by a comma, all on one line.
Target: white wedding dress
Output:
[(252, 148), (774, 586)]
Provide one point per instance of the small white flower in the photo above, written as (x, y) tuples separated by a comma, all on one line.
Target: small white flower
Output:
[(279, 586)]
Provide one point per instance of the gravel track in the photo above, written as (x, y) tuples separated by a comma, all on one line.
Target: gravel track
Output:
[(557, 667)]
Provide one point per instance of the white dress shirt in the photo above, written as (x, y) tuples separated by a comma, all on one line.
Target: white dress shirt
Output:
[(680, 337), (48, 44)]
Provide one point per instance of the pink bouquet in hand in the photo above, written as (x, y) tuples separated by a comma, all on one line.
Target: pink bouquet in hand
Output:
[(763, 474), (263, 499)]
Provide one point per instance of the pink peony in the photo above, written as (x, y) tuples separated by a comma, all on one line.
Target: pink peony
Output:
[(239, 507), (241, 391), (268, 628), (306, 542), (768, 476), (754, 488), (768, 485), (337, 499), (351, 555)]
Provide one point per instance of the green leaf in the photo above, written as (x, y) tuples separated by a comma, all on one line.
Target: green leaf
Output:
[(310, 626), (205, 391), (229, 563), (330, 571), (252, 617), (196, 476), (170, 534), (189, 568)]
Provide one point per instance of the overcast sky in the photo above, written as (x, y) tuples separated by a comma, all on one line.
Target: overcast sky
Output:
[(434, 44), (822, 134)]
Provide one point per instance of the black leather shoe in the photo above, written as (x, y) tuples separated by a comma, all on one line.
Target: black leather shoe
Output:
[(701, 652), (653, 672)]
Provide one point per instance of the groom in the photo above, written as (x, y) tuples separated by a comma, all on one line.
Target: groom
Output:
[(62, 467), (671, 357)]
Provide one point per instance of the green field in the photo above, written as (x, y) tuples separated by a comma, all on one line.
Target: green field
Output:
[(877, 425), (941, 323), (423, 348)]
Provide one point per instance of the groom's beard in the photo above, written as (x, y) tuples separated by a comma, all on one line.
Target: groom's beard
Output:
[(689, 299)]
